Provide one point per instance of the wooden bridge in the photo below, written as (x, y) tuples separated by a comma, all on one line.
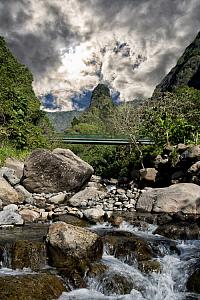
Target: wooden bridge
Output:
[(98, 140)]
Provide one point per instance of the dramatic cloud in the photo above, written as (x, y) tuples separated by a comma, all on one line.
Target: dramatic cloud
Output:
[(71, 45)]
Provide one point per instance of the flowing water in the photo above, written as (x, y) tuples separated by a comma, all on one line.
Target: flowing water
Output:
[(168, 284)]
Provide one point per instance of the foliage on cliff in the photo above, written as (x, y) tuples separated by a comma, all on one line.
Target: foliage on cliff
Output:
[(186, 72), (21, 121)]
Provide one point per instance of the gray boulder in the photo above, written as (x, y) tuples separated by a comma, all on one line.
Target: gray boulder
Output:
[(16, 165), (89, 193), (8, 194), (94, 214), (56, 171), (184, 197), (10, 216)]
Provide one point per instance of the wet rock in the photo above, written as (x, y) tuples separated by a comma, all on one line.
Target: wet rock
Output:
[(72, 247), (126, 246), (32, 287), (183, 231), (56, 171), (72, 279), (164, 219), (97, 269), (8, 194), (29, 215), (116, 284), (149, 266), (193, 282), (29, 254), (94, 214), (182, 197), (89, 193)]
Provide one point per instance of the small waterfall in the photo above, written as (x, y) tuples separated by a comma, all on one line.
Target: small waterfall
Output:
[(168, 284)]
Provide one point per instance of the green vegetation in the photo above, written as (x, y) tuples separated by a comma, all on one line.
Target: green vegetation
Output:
[(22, 124)]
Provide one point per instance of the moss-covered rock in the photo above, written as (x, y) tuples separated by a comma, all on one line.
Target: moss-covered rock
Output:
[(29, 254), (149, 266), (193, 282), (127, 246), (31, 287)]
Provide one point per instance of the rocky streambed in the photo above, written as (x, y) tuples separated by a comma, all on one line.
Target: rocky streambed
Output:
[(67, 234)]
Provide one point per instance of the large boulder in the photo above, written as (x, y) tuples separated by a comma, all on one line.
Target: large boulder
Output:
[(56, 171), (8, 194), (31, 287), (183, 197), (72, 247)]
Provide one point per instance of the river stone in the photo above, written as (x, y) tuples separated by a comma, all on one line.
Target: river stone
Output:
[(16, 165), (89, 193), (29, 254), (8, 217), (23, 193), (31, 287), (148, 174), (184, 197), (192, 153), (72, 247), (56, 171), (94, 214), (8, 194), (57, 199), (29, 215)]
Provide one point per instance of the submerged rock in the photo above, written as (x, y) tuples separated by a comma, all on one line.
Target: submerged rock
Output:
[(31, 287), (72, 247), (193, 282), (28, 254), (56, 171)]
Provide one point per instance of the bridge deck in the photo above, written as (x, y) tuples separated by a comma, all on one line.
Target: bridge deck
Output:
[(101, 141)]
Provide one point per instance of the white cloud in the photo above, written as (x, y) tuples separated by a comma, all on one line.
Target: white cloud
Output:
[(70, 45)]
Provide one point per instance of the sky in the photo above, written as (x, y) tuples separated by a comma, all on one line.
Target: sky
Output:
[(72, 45)]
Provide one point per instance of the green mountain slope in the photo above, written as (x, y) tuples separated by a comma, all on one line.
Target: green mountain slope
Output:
[(186, 72), (21, 121)]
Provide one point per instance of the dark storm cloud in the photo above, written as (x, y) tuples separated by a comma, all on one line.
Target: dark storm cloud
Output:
[(38, 49)]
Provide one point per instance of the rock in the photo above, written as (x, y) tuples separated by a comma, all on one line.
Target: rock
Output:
[(126, 246), (23, 193), (182, 197), (192, 153), (149, 266), (116, 283), (29, 254), (193, 282), (16, 165), (33, 286), (8, 194), (89, 193), (72, 247), (11, 208), (182, 231), (8, 217), (94, 214), (70, 219), (148, 174), (10, 176), (57, 171), (29, 215), (57, 199)]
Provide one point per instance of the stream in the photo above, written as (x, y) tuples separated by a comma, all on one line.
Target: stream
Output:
[(168, 284)]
